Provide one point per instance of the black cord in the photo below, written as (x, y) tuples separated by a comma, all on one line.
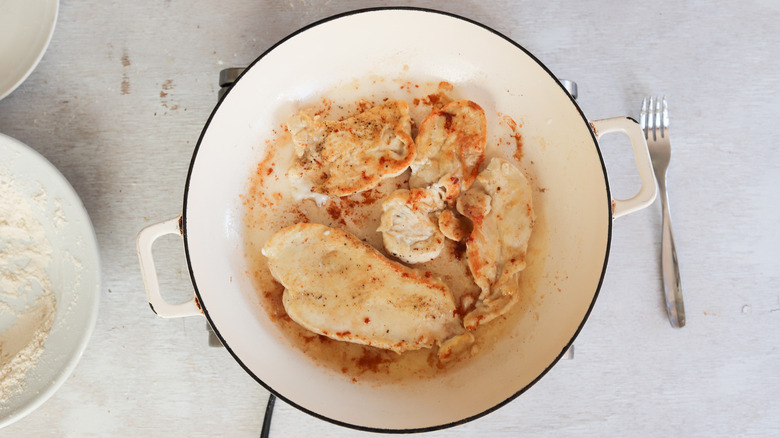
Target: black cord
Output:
[(269, 412)]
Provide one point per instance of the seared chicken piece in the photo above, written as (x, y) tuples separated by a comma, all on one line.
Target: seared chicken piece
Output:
[(355, 154), (501, 210), (453, 226), (409, 224), (450, 148), (340, 287)]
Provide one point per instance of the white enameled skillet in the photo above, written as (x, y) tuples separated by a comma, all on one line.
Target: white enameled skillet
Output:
[(560, 150)]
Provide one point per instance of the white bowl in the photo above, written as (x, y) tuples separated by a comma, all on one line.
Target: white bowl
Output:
[(74, 271), (26, 28)]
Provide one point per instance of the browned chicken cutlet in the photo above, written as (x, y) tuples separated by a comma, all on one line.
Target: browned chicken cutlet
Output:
[(500, 207), (338, 286), (340, 158)]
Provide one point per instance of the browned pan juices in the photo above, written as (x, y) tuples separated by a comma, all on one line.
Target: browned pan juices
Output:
[(268, 207)]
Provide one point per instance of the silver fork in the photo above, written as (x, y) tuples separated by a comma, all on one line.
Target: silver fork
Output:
[(654, 121)]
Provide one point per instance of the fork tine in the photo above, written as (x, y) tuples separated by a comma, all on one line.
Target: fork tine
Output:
[(643, 117), (664, 118), (657, 112), (651, 118)]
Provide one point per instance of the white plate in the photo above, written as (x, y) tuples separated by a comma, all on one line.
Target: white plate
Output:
[(26, 27), (74, 271)]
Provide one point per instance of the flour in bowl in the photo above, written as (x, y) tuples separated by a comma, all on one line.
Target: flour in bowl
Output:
[(27, 303)]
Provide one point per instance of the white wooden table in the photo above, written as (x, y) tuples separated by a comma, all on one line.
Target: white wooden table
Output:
[(118, 102)]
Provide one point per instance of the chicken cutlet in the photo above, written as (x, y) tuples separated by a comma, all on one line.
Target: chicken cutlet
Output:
[(340, 158), (450, 148), (340, 287), (410, 226), (500, 207), (453, 226)]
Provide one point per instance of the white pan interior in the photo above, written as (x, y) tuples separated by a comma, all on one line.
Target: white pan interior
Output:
[(559, 151)]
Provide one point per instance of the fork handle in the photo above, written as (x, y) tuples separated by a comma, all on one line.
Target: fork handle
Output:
[(670, 267)]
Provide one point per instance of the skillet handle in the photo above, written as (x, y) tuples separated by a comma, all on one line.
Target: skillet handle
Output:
[(649, 190), (144, 243)]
